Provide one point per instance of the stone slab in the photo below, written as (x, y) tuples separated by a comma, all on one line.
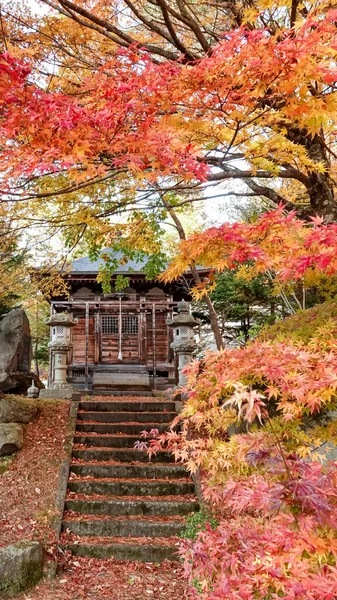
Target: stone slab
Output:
[(62, 394), (116, 379)]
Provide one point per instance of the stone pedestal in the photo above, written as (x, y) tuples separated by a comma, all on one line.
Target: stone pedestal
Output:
[(60, 344), (184, 345)]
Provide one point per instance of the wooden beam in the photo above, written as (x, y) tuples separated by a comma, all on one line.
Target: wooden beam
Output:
[(86, 368), (50, 364), (97, 324), (154, 346)]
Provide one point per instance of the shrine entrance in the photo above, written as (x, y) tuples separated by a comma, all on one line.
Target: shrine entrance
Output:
[(120, 338)]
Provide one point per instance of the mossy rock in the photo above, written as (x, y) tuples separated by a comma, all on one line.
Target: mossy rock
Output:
[(20, 567)]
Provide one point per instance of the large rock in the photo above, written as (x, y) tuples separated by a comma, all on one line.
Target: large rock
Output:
[(20, 567), (15, 351), (16, 412), (11, 438)]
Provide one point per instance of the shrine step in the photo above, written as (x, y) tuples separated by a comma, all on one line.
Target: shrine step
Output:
[(115, 392), (132, 487), (107, 440), (125, 406), (138, 549), (130, 428), (119, 455), (128, 471), (119, 502), (123, 527), (117, 417), (123, 506)]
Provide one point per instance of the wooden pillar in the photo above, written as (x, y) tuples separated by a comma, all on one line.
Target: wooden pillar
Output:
[(50, 354), (86, 368), (154, 346), (143, 333), (97, 338), (172, 369)]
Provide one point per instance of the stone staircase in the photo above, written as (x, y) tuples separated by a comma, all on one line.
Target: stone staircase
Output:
[(118, 503)]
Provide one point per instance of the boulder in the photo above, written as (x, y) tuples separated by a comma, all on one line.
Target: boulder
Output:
[(20, 567), (12, 411), (16, 353), (11, 438)]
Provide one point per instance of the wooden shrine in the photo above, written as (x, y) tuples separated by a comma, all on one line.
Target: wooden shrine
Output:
[(121, 340)]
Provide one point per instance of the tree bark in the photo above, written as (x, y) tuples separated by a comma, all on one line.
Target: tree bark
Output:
[(320, 187)]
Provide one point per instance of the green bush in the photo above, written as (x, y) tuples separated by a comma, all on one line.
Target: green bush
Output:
[(197, 522)]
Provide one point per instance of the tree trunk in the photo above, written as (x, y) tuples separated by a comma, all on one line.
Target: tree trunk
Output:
[(320, 187), (211, 310)]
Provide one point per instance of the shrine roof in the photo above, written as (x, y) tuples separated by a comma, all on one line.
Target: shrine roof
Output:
[(85, 265), (82, 266)]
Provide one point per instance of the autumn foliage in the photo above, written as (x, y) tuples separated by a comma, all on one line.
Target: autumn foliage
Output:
[(278, 243), (259, 428), (264, 96)]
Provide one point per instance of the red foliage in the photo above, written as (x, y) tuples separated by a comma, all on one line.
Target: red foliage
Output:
[(112, 580), (28, 487)]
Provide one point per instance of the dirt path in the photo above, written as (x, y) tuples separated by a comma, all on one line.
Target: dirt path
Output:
[(90, 579)]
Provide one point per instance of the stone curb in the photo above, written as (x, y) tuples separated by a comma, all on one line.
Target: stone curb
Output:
[(62, 485)]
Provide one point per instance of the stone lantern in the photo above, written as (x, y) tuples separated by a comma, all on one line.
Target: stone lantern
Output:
[(184, 345), (60, 344)]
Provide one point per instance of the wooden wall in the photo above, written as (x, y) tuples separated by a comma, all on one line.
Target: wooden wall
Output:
[(136, 348), (79, 341)]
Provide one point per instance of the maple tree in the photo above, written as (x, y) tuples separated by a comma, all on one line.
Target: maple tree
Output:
[(107, 109), (259, 427), (256, 426), (196, 89)]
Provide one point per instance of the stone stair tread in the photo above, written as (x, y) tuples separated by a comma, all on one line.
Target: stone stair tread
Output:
[(127, 470), (126, 480), (126, 455), (119, 503), (107, 440), (117, 463), (70, 516), (92, 539), (137, 399), (125, 406), (127, 423), (122, 506), (143, 549), (112, 527), (92, 434), (123, 413), (112, 498), (112, 449), (132, 417), (138, 487)]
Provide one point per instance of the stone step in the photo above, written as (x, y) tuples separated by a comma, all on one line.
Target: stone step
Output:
[(120, 455), (129, 471), (131, 428), (132, 487), (125, 417), (115, 392), (107, 440), (125, 406), (137, 550), (126, 507), (123, 527)]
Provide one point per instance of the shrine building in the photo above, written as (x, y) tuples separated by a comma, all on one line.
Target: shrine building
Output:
[(120, 341)]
